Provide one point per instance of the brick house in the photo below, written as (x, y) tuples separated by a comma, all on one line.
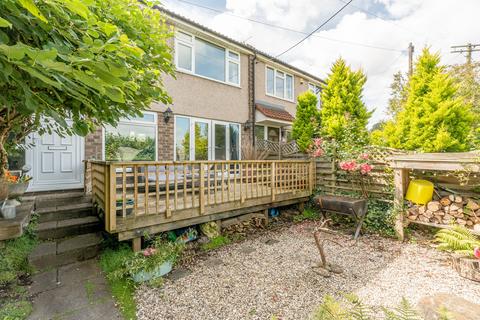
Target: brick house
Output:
[(226, 95)]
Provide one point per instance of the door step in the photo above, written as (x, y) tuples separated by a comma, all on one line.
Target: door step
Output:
[(72, 210), (58, 229), (65, 251)]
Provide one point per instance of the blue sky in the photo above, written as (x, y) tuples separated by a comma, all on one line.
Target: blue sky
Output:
[(370, 34)]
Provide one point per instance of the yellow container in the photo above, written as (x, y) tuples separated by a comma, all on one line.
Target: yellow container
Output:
[(419, 191)]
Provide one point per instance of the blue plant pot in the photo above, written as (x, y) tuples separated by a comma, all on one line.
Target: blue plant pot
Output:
[(161, 270)]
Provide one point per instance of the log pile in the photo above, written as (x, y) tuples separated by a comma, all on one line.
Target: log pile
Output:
[(447, 210)]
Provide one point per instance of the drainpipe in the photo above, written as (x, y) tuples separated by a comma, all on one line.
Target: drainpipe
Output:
[(254, 62)]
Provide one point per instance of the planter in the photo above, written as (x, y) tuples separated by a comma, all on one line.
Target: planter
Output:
[(3, 190), (467, 267), (161, 270), (16, 190), (9, 209)]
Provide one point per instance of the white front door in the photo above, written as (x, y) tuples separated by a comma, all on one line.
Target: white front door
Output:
[(56, 162)]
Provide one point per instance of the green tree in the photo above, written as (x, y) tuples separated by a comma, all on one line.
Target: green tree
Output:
[(343, 113), (467, 76), (91, 61), (434, 118), (307, 120), (398, 96)]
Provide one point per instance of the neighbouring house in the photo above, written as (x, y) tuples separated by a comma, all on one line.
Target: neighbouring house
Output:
[(226, 94)]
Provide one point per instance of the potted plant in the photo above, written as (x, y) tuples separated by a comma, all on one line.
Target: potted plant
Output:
[(151, 263), (12, 187), (465, 249)]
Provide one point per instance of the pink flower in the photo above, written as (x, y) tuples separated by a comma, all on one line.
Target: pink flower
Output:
[(348, 165), (365, 156), (317, 142), (149, 252), (476, 252), (318, 153), (365, 168)]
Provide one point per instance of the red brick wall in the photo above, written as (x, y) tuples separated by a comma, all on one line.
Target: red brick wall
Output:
[(165, 138), (93, 145)]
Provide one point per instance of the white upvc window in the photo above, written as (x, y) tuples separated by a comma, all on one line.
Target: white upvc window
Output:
[(205, 59), (279, 84), (316, 90)]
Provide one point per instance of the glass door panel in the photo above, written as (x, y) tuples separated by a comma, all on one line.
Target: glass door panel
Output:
[(273, 134), (220, 140), (234, 131), (200, 141)]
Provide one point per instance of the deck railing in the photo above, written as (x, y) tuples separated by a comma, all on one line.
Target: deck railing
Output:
[(142, 193)]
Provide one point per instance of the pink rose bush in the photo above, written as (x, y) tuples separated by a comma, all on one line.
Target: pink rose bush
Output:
[(316, 148), (365, 168), (359, 170), (348, 165), (149, 252)]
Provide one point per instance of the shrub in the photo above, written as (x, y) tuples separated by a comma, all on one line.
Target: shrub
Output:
[(215, 243)]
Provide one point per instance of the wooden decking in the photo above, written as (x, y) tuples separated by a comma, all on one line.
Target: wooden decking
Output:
[(159, 196)]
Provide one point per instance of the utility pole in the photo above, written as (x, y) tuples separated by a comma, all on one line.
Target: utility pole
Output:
[(410, 59), (468, 49)]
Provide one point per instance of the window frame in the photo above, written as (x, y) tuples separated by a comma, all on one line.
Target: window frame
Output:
[(285, 74), (126, 121), (227, 57), (211, 136), (319, 102)]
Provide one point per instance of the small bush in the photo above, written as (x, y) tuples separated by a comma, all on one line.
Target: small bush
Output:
[(215, 243), (307, 214), (380, 218)]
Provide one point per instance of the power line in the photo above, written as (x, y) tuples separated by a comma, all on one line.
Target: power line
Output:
[(290, 29), (320, 26)]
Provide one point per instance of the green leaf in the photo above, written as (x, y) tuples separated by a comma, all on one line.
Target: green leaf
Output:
[(42, 55), (41, 77), (115, 94), (4, 23), (77, 7), (33, 9), (88, 80), (16, 52)]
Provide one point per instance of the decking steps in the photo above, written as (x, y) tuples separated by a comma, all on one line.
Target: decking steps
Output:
[(65, 251)]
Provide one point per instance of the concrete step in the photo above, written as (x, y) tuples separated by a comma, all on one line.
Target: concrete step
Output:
[(58, 229), (66, 211), (52, 254), (52, 200)]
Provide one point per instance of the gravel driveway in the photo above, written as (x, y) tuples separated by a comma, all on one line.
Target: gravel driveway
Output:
[(271, 275)]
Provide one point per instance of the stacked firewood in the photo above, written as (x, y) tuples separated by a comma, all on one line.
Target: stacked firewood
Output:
[(447, 210)]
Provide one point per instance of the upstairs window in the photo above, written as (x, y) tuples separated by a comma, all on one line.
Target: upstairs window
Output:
[(279, 84), (203, 58), (317, 92)]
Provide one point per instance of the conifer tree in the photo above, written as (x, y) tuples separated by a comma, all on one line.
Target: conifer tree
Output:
[(307, 120), (343, 112), (434, 118)]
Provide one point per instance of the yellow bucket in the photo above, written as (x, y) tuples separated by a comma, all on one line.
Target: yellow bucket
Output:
[(420, 191)]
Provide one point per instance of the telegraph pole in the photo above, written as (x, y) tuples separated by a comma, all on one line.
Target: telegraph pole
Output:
[(410, 59), (468, 49)]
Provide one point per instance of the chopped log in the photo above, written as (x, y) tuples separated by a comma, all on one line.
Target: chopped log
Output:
[(445, 201), (458, 199), (439, 213), (434, 206), (467, 267), (454, 207), (451, 197), (413, 217), (461, 222), (428, 214), (469, 223), (422, 209)]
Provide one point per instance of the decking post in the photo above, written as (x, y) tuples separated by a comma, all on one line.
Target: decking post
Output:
[(112, 201), (301, 207), (272, 179), (311, 176), (201, 197), (401, 183), (137, 244)]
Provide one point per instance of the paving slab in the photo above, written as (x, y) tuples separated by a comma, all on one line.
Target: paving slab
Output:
[(80, 292)]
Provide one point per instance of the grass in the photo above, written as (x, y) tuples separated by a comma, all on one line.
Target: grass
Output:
[(307, 214), (14, 267), (215, 243), (122, 289)]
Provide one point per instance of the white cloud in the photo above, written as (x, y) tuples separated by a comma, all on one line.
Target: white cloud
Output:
[(437, 23)]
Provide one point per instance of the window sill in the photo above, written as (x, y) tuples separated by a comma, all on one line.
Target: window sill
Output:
[(283, 99), (207, 78)]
